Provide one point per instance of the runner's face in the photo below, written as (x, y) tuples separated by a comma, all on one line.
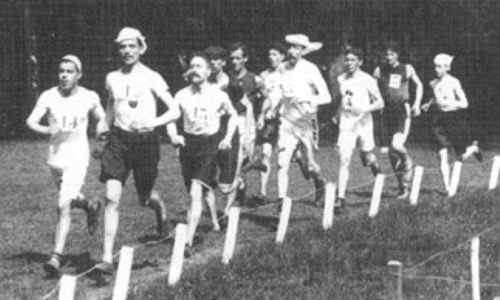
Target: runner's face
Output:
[(68, 76), (295, 53), (238, 60), (391, 57), (440, 69), (275, 58), (199, 70), (130, 51), (352, 63), (216, 64)]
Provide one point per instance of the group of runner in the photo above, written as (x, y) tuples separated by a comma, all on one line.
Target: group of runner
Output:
[(230, 123)]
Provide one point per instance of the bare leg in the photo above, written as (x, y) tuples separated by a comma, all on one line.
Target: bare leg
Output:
[(266, 160), (195, 211), (212, 207), (445, 168), (114, 190)]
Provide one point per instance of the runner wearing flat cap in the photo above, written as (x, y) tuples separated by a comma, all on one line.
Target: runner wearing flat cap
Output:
[(67, 107), (133, 92), (304, 89)]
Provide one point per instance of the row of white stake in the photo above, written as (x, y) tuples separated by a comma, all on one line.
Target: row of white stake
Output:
[(68, 282)]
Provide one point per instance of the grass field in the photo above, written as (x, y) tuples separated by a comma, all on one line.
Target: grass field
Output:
[(347, 262)]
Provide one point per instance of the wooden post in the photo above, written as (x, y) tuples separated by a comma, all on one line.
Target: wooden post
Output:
[(474, 264), (67, 287), (120, 291), (376, 195), (328, 214), (455, 178), (395, 270), (178, 254), (494, 173), (284, 217), (415, 186), (232, 230)]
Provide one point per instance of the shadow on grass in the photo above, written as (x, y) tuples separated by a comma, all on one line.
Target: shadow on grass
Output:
[(30, 257), (270, 222)]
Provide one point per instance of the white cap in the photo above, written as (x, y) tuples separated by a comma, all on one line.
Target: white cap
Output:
[(443, 59), (74, 59), (129, 33), (303, 40)]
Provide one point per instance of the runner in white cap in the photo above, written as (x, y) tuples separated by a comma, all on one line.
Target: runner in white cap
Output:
[(133, 145), (68, 106), (449, 123), (304, 89)]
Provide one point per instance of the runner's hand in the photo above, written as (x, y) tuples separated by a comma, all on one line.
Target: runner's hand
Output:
[(416, 111), (178, 141), (225, 144)]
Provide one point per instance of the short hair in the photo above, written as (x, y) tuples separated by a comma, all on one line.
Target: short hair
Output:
[(393, 46), (356, 52), (278, 46), (216, 52), (201, 55), (237, 46)]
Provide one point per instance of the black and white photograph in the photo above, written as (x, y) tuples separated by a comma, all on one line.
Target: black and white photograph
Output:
[(236, 149)]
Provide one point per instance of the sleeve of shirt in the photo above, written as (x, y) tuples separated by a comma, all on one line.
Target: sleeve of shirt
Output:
[(323, 96), (158, 84)]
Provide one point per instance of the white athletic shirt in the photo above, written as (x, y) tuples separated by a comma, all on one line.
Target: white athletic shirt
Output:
[(303, 90), (356, 91), (69, 145), (272, 86), (201, 111), (140, 87), (445, 90)]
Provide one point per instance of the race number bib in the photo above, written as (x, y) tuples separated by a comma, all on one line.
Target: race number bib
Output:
[(201, 114), (395, 81), (69, 123)]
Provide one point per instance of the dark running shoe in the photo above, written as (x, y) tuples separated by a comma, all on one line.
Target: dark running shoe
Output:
[(339, 205), (53, 266), (241, 191), (403, 194), (375, 167), (105, 268), (478, 153), (320, 192), (157, 205)]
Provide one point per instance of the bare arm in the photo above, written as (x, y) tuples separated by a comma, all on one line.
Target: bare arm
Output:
[(377, 102), (172, 114), (100, 116), (36, 116), (461, 98), (323, 94), (231, 125)]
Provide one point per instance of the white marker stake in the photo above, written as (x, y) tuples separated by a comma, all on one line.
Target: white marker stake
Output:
[(494, 173), (455, 178), (284, 217), (329, 202), (415, 186), (474, 264), (396, 268), (123, 274), (67, 289), (178, 254), (376, 195), (232, 230)]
